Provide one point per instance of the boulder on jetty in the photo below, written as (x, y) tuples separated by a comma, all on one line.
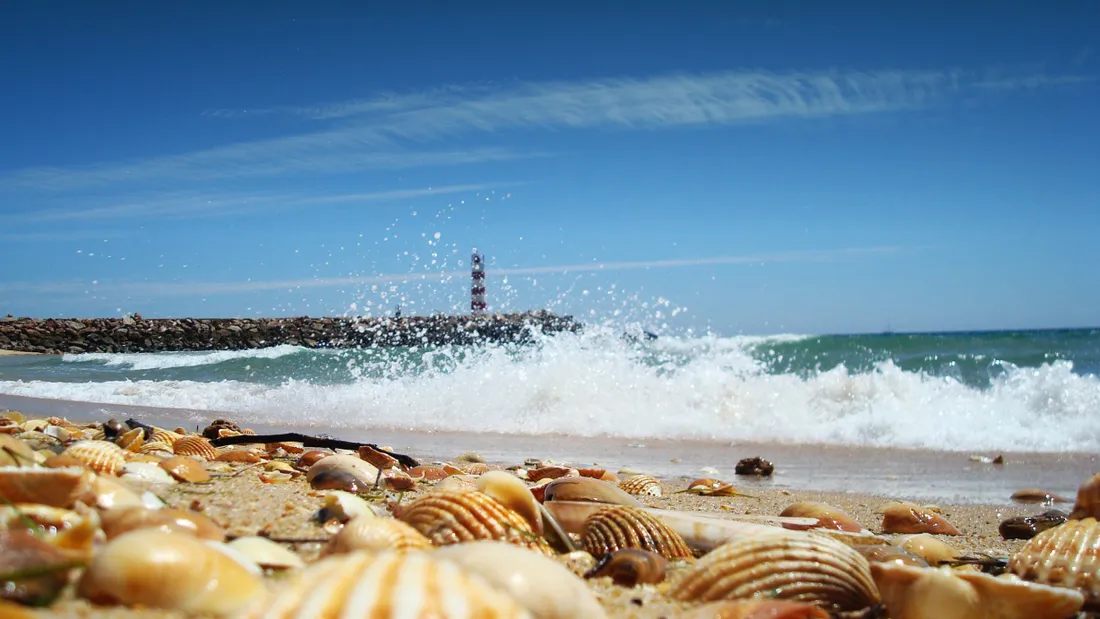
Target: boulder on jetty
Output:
[(137, 334)]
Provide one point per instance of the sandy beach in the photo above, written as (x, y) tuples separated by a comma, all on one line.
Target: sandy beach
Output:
[(13, 353)]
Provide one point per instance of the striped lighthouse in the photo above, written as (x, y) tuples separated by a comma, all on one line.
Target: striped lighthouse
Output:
[(477, 284)]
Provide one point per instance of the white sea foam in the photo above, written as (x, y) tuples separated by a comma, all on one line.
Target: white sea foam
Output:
[(162, 361), (599, 385)]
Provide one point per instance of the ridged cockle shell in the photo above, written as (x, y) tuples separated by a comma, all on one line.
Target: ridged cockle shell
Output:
[(171, 571), (1065, 556), (512, 493), (376, 534), (194, 446), (617, 526), (642, 485), (942, 593), (103, 457), (541, 585), (387, 586), (785, 565), (448, 517)]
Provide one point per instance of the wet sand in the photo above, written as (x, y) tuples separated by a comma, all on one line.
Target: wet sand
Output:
[(13, 353)]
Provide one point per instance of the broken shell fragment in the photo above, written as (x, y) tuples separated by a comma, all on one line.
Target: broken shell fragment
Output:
[(755, 609), (343, 506), (1064, 556), (103, 457), (14, 452), (390, 585), (376, 535), (784, 565), (429, 473), (587, 489), (616, 527), (907, 518), (630, 567), (642, 485), (1027, 527), (544, 587), (266, 553), (551, 472), (448, 517), (931, 593), (171, 571), (148, 472), (828, 517)]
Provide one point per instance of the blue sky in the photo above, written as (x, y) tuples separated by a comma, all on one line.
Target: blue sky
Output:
[(749, 167)]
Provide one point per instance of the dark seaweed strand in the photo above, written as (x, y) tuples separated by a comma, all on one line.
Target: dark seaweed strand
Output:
[(309, 441)]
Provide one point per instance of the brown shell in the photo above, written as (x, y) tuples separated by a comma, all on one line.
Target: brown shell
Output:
[(1037, 495), (642, 485), (120, 520), (630, 567), (1065, 556), (185, 469), (429, 472), (885, 553), (616, 527), (245, 456), (551, 472), (452, 517), (195, 446), (1088, 500), (783, 565), (828, 516), (376, 534), (906, 518), (755, 609), (103, 457), (388, 584), (60, 487)]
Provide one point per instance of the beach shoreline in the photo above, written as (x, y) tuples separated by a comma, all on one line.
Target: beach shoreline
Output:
[(16, 353)]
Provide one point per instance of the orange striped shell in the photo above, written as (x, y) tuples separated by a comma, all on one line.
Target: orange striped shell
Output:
[(103, 457), (194, 445), (452, 517)]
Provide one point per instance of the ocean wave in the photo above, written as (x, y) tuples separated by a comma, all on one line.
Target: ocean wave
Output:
[(163, 361)]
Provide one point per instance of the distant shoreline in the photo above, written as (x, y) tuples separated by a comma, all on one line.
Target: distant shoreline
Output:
[(16, 353)]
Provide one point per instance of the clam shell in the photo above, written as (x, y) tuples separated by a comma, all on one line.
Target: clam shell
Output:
[(934, 551), (1065, 556), (828, 517), (885, 553), (448, 517), (930, 593), (1088, 499), (376, 534), (387, 585), (171, 571), (783, 565), (543, 586), (617, 527), (642, 485), (60, 487), (342, 507), (185, 469), (103, 457), (146, 472), (346, 465), (907, 518), (587, 489), (121, 520), (195, 446), (755, 609)]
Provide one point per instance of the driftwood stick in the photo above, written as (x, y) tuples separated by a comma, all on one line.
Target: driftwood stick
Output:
[(308, 441)]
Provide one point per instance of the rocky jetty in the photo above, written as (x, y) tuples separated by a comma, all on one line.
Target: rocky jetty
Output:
[(137, 334)]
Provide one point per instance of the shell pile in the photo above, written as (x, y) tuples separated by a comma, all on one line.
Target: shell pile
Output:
[(96, 516)]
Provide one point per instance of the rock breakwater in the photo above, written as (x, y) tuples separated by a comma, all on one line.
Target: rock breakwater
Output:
[(137, 334)]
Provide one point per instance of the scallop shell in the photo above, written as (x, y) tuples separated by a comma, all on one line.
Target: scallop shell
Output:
[(828, 517), (1088, 499), (907, 518), (512, 493), (387, 585), (755, 609), (61, 487), (103, 457), (160, 435), (157, 448), (642, 485), (930, 593), (195, 446), (543, 586), (476, 468), (1065, 556), (448, 517), (616, 527), (783, 565), (170, 571), (376, 535)]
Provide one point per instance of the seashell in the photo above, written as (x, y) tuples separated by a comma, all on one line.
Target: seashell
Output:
[(1088, 500), (1065, 556), (448, 517), (160, 435), (147, 472), (375, 534), (587, 489), (882, 553), (275, 477), (551, 472), (224, 433), (458, 483), (544, 587), (907, 518), (61, 487), (279, 465), (266, 553), (512, 493), (109, 492), (642, 485), (213, 430), (476, 468), (1027, 527), (243, 456), (630, 567), (387, 585), (103, 457), (828, 517), (74, 533), (15, 416), (429, 473), (755, 609), (132, 440), (1035, 495), (342, 507), (157, 448), (181, 573), (336, 479), (350, 465), (616, 527), (289, 448), (378, 459), (23, 552), (14, 452), (579, 562), (471, 457), (121, 520), (59, 461), (397, 480), (934, 551), (185, 469), (782, 565), (195, 446), (756, 466), (598, 474), (58, 432), (930, 593), (310, 458)]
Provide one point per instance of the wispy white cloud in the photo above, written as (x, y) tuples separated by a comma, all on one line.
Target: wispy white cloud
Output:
[(238, 287), (195, 205), (391, 130)]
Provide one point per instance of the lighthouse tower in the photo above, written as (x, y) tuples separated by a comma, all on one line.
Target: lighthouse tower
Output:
[(477, 285)]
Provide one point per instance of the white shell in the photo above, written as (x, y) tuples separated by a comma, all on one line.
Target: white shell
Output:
[(266, 553), (149, 472)]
